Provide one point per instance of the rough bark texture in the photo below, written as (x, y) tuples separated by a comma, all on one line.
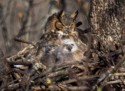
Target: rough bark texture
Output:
[(107, 20)]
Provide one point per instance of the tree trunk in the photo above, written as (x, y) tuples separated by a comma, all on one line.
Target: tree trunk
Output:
[(107, 17)]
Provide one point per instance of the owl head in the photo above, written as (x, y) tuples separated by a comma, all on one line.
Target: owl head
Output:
[(66, 22)]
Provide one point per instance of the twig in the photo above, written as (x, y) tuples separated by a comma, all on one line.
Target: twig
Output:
[(103, 78)]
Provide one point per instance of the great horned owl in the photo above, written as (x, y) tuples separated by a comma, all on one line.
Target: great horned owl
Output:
[(62, 41)]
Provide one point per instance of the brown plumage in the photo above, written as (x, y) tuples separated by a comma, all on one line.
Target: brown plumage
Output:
[(63, 45)]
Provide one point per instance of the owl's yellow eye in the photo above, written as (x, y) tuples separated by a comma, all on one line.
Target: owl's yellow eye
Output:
[(58, 25)]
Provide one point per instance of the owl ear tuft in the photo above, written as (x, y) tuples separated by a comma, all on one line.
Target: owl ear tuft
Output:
[(74, 15), (61, 13)]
